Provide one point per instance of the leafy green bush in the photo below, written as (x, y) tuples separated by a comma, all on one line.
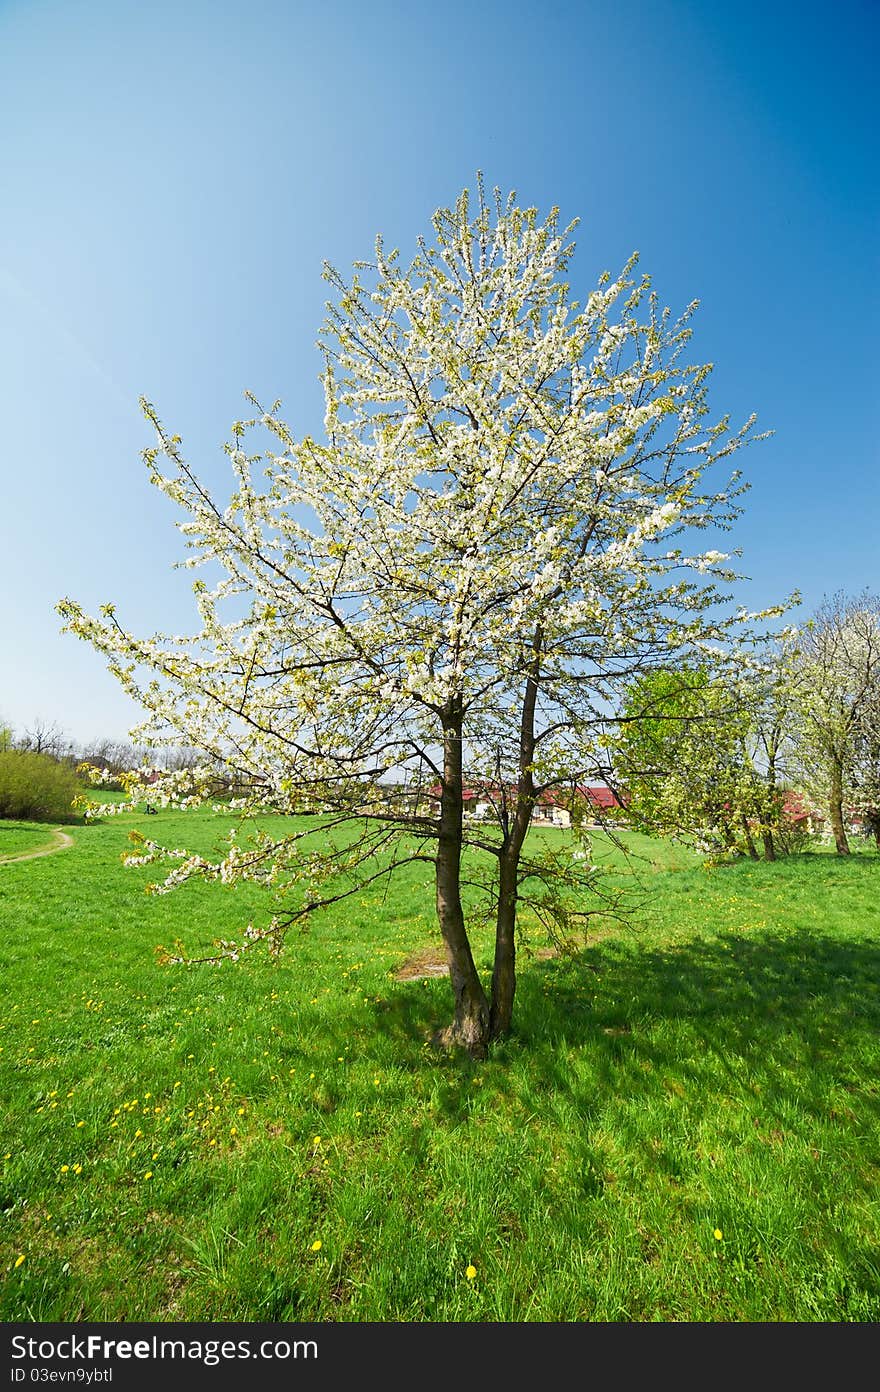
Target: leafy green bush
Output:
[(36, 787)]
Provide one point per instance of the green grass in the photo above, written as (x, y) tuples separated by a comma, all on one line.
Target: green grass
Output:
[(713, 1067), (16, 838)]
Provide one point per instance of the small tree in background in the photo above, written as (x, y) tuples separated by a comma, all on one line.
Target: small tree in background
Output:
[(701, 758), (836, 664), (772, 703), (452, 584)]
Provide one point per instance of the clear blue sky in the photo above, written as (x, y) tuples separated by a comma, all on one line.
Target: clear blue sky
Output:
[(173, 174)]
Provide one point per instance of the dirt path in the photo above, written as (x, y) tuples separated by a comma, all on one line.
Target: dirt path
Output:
[(60, 842)]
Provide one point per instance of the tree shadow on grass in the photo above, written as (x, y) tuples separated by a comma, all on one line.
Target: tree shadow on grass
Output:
[(793, 1016), (651, 1068)]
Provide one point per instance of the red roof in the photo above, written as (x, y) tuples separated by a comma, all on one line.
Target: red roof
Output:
[(601, 796), (598, 794)]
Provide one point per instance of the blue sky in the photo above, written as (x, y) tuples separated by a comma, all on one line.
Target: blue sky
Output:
[(172, 176)]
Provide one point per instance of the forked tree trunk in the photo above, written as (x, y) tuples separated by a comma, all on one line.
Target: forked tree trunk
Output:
[(470, 1022), (504, 969), (836, 809)]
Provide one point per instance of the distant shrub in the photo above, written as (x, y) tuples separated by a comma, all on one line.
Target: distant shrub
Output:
[(36, 787)]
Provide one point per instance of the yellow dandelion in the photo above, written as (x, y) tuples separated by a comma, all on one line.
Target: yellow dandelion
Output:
[(18, 1261), (316, 1140), (137, 1133), (64, 1169), (77, 1169), (470, 1272), (718, 1234), (317, 1245), (148, 1174)]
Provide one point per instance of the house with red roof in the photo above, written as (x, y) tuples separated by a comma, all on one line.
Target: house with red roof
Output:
[(552, 807), (801, 814)]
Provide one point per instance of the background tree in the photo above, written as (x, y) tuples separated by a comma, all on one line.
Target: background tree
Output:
[(451, 584), (865, 764), (47, 737), (836, 663), (706, 755), (700, 755), (116, 759), (769, 696)]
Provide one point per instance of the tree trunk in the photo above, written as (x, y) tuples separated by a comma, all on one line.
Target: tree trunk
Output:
[(504, 968), (836, 809), (766, 825), (470, 1023), (750, 844)]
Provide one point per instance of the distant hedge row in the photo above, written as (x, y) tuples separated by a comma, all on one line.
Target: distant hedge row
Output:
[(36, 787)]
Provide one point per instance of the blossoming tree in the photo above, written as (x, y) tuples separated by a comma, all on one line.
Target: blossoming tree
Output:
[(447, 588), (836, 665)]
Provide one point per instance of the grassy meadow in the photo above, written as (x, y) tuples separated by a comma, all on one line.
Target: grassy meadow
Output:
[(17, 838), (684, 1125)]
